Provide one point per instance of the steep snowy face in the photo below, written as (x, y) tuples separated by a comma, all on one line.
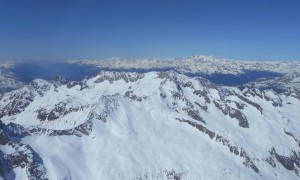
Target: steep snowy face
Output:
[(155, 125)]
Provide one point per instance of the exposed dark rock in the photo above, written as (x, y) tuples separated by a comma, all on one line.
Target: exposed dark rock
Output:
[(253, 92), (4, 139), (115, 76), (109, 103), (224, 93), (257, 106), (132, 96), (82, 84), (233, 113), (193, 114), (296, 93), (71, 84), (58, 111), (173, 175), (18, 101), (40, 87), (204, 94), (274, 102), (23, 157), (14, 130), (61, 80), (178, 96), (163, 174), (290, 134), (163, 75), (83, 129), (189, 84), (239, 105), (163, 95), (288, 162), (259, 94), (271, 161), (178, 87), (202, 107), (42, 114)]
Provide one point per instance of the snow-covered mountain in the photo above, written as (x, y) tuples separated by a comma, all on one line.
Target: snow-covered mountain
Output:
[(153, 125), (8, 80), (197, 64), (16, 74)]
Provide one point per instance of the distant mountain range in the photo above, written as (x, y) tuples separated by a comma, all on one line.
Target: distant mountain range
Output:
[(219, 71), (190, 118), (196, 65)]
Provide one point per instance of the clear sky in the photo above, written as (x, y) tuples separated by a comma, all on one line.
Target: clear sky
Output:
[(62, 29)]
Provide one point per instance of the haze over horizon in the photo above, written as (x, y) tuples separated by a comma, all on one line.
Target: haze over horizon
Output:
[(60, 30)]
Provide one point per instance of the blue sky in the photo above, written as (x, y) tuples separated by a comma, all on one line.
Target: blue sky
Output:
[(62, 29)]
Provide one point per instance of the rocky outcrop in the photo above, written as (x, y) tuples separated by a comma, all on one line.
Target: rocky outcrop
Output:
[(163, 174), (132, 96), (290, 134), (115, 76), (61, 109), (291, 162), (107, 104), (233, 113), (204, 94), (257, 106), (23, 155), (81, 130), (17, 101)]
